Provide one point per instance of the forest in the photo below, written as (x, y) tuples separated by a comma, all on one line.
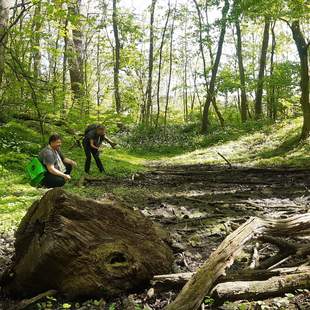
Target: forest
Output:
[(184, 173)]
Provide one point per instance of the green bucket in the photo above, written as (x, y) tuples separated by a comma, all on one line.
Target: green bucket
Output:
[(35, 172)]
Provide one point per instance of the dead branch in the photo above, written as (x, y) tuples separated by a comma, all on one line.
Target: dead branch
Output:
[(274, 286), (193, 293)]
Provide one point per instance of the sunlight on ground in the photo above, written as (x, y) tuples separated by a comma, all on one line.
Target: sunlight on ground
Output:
[(265, 148)]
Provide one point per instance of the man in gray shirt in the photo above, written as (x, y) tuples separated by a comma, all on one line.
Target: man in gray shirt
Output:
[(58, 167)]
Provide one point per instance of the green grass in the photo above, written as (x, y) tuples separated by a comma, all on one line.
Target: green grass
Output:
[(273, 145), (260, 144), (19, 142)]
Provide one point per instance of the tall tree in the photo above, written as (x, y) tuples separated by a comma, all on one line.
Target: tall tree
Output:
[(4, 16), (147, 118), (75, 52), (170, 65), (116, 53), (211, 90), (240, 63), (201, 28), (302, 47), (271, 96), (262, 67), (36, 28), (161, 48)]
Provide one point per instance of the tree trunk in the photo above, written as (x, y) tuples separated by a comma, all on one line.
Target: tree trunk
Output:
[(4, 17), (98, 73), (271, 97), (193, 293), (185, 86), (241, 73), (64, 67), (36, 28), (261, 74), (75, 57), (81, 247), (170, 68), (302, 48), (148, 117), (117, 58), (218, 113), (205, 73), (210, 95), (161, 62)]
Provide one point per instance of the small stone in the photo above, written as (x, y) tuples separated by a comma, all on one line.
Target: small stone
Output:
[(150, 293)]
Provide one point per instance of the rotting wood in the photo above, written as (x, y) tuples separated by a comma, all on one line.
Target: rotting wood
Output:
[(250, 290), (82, 247), (200, 284), (178, 280)]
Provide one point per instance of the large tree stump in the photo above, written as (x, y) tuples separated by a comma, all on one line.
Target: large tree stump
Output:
[(81, 247)]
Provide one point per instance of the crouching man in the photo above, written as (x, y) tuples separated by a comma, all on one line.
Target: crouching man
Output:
[(58, 167)]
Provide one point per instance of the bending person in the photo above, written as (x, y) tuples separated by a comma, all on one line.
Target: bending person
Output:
[(58, 167), (92, 141)]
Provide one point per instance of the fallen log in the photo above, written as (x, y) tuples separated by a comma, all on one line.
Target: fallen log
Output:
[(176, 281), (82, 247), (251, 290), (200, 284)]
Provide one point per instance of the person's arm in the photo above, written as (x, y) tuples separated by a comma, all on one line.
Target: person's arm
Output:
[(51, 169), (110, 142), (69, 161), (92, 144)]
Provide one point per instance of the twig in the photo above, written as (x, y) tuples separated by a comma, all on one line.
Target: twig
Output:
[(280, 262), (227, 161), (15, 21)]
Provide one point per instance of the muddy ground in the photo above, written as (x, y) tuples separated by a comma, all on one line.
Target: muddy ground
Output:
[(199, 205)]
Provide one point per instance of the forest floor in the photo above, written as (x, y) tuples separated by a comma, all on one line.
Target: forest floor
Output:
[(191, 193), (199, 205)]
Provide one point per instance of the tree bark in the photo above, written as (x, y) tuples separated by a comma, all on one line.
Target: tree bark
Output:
[(261, 74), (170, 68), (147, 119), (75, 57), (210, 95), (302, 48), (185, 86), (193, 293), (4, 17), (271, 97), (82, 247), (241, 72), (64, 66), (176, 281), (258, 290), (117, 58), (36, 28), (161, 62)]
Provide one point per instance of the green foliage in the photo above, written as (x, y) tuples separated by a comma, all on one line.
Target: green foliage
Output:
[(208, 300), (112, 307)]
